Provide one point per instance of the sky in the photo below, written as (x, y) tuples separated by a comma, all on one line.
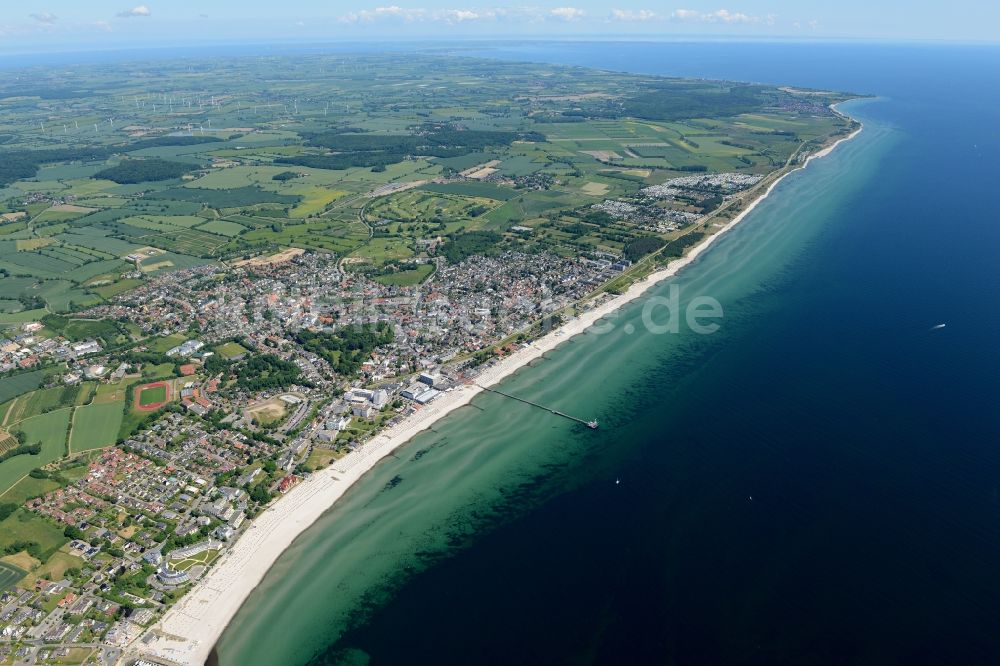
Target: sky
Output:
[(42, 25)]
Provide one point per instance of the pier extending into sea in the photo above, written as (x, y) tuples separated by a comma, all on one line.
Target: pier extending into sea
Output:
[(590, 424)]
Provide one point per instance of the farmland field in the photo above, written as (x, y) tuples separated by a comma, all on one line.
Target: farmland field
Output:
[(28, 488), (472, 189), (95, 426), (222, 228), (50, 429), (7, 442), (41, 401), (15, 385), (275, 185), (9, 576)]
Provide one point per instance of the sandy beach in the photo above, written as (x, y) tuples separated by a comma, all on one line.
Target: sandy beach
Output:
[(188, 632)]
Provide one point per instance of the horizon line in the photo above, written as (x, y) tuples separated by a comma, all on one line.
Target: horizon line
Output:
[(88, 47)]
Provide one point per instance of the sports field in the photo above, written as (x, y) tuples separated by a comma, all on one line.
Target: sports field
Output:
[(152, 396), (230, 350)]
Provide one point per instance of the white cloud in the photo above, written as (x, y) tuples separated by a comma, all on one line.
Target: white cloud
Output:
[(720, 16), (567, 13), (726, 16), (453, 16), (47, 18), (141, 10), (463, 15), (102, 25), (390, 12), (814, 24), (634, 15)]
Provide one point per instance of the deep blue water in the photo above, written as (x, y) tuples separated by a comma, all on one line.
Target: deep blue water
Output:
[(819, 483), (868, 443)]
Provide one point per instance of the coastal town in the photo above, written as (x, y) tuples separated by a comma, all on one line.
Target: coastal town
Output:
[(259, 395), (203, 345), (149, 515)]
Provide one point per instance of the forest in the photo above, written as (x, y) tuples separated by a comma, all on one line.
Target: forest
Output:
[(349, 347), (143, 171)]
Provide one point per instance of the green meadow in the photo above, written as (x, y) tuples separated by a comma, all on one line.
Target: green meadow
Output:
[(95, 426)]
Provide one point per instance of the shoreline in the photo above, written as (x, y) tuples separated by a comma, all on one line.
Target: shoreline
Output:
[(189, 631)]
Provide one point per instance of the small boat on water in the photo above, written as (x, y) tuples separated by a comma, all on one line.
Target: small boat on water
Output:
[(939, 326)]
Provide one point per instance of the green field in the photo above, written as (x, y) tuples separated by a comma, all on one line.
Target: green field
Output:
[(24, 526), (420, 206), (166, 343), (9, 576), (230, 350), (152, 395), (28, 488), (408, 277), (472, 189), (223, 228), (84, 329), (17, 384), (150, 371), (115, 392), (108, 291), (42, 401), (50, 429), (95, 426)]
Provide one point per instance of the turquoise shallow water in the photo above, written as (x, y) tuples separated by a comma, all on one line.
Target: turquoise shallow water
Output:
[(815, 483)]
